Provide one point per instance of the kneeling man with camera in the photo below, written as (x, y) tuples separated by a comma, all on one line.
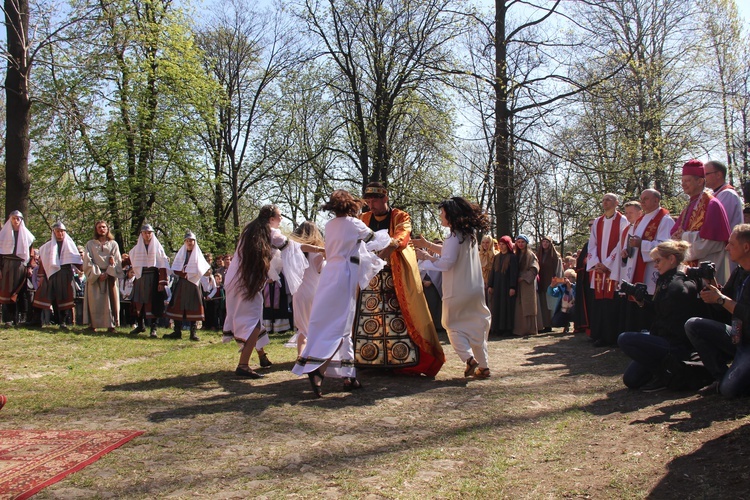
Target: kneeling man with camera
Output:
[(658, 354), (719, 343)]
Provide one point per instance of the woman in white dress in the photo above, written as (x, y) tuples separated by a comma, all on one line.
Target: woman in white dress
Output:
[(260, 242), (307, 232), (329, 350), (465, 314)]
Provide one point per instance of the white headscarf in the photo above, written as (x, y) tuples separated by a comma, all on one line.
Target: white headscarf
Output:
[(154, 256), (196, 266), (68, 254), (25, 239)]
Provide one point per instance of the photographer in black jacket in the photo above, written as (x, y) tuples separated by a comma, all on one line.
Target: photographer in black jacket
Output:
[(718, 343), (658, 354)]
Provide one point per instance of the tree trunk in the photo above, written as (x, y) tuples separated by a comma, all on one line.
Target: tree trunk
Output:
[(18, 108), (504, 200)]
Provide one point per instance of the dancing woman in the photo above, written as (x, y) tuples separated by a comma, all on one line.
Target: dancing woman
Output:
[(465, 314), (248, 273), (329, 350), (307, 232)]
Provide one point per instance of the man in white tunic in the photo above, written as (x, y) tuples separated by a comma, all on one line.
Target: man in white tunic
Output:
[(649, 230), (604, 268), (716, 180)]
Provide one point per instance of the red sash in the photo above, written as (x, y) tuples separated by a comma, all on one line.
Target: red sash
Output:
[(648, 235), (604, 288)]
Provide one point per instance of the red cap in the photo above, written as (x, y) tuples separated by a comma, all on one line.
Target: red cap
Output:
[(694, 167)]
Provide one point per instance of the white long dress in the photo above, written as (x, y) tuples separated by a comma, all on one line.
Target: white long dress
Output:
[(303, 299), (466, 317), (243, 314), (330, 326)]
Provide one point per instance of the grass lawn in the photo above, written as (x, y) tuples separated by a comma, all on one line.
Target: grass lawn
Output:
[(554, 421)]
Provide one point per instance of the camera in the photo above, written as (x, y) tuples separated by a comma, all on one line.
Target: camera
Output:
[(704, 270), (637, 291)]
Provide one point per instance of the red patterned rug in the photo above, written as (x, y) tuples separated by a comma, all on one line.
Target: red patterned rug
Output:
[(32, 460)]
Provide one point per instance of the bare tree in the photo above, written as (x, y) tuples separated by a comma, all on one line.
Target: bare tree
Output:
[(384, 53), (246, 52)]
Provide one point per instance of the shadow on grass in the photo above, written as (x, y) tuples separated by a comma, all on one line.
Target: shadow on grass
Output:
[(576, 355), (255, 396), (681, 411), (718, 469)]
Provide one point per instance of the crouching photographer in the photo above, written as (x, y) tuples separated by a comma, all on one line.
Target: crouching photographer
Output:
[(658, 354), (719, 343)]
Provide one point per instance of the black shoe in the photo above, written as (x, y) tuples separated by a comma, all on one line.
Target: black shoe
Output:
[(175, 335), (138, 329), (656, 384), (249, 373), (264, 361), (153, 333), (194, 337)]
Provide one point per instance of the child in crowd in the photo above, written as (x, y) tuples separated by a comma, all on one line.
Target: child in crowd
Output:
[(564, 289)]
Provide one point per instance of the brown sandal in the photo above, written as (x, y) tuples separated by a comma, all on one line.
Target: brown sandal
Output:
[(482, 373), (471, 364)]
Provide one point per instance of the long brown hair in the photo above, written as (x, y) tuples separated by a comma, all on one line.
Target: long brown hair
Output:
[(254, 251), (343, 203), (110, 236)]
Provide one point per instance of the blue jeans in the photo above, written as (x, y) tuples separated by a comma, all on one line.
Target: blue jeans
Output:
[(713, 342), (648, 354)]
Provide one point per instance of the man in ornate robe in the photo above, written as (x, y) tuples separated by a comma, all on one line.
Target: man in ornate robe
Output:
[(703, 223), (393, 328), (15, 254), (603, 265), (102, 264)]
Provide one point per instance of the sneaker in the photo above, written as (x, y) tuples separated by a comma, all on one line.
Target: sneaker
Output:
[(655, 385)]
